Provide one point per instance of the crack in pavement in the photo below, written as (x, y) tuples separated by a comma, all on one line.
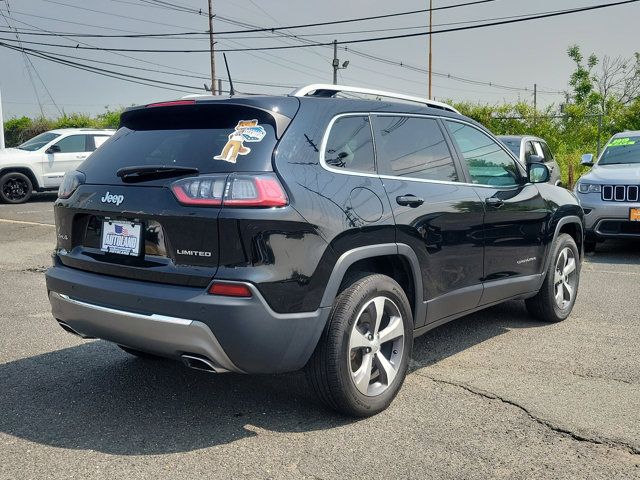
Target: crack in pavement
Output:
[(597, 377), (555, 428)]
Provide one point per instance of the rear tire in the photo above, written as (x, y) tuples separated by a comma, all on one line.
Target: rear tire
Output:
[(15, 187), (555, 300), (363, 355), (139, 353)]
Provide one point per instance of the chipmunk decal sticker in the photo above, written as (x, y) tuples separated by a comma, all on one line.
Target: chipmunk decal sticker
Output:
[(245, 131)]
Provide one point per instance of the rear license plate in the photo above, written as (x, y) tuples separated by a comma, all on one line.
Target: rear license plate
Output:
[(119, 237), (634, 214)]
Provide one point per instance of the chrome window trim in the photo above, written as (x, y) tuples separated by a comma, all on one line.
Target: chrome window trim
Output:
[(327, 167)]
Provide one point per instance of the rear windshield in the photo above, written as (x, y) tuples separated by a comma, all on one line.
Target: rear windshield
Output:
[(513, 145), (621, 150), (209, 138)]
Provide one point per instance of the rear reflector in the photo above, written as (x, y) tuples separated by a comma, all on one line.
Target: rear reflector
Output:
[(230, 289), (172, 104), (236, 190)]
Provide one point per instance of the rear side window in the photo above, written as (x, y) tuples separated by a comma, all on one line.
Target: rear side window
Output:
[(99, 140), (211, 138), (73, 144), (350, 145), (487, 162), (413, 147)]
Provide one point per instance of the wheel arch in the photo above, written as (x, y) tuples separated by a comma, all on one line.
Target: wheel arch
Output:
[(398, 261), (24, 170), (572, 225)]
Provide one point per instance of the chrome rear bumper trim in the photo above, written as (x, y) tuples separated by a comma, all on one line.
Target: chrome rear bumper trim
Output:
[(154, 333)]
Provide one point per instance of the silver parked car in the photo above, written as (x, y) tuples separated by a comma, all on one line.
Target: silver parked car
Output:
[(529, 149), (610, 192)]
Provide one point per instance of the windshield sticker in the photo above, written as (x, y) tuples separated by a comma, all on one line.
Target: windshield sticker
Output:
[(621, 142), (245, 131)]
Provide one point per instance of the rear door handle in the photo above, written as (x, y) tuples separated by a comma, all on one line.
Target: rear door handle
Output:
[(409, 201), (82, 157), (494, 202)]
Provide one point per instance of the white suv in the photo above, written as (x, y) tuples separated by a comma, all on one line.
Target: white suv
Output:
[(40, 163)]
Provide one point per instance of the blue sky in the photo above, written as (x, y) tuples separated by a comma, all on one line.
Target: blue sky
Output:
[(517, 55)]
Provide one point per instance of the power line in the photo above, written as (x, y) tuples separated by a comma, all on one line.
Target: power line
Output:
[(28, 63), (348, 42), (186, 35), (104, 72), (359, 19)]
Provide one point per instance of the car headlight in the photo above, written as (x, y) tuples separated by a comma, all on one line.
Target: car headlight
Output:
[(70, 182), (589, 188)]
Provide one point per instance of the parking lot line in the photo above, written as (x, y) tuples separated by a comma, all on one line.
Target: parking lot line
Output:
[(5, 220)]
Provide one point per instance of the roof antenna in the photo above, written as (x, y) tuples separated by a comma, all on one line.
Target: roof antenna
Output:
[(232, 92)]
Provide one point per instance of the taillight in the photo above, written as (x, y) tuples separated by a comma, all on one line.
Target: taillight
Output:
[(230, 289), (236, 190), (204, 190), (70, 182)]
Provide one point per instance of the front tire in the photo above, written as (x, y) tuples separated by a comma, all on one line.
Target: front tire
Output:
[(15, 187), (555, 300), (363, 355)]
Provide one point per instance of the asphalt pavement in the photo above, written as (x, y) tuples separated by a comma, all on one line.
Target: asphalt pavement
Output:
[(492, 395)]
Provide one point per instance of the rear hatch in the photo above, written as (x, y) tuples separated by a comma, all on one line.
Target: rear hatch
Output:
[(148, 207)]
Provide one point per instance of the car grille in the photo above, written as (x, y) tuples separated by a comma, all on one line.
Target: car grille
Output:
[(621, 193)]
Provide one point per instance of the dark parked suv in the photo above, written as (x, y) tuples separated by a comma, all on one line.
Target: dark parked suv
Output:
[(267, 234)]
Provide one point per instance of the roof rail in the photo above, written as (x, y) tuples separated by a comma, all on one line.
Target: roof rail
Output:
[(328, 90)]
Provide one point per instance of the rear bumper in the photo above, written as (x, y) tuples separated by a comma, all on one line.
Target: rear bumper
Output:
[(236, 334)]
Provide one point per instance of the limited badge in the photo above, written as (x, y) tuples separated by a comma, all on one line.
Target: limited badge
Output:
[(245, 131)]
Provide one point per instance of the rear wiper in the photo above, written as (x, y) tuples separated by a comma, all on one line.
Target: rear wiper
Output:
[(149, 172)]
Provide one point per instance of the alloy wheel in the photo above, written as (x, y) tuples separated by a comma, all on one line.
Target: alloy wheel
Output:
[(15, 189), (376, 346), (565, 278)]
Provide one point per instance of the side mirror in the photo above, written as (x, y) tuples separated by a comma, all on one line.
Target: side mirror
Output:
[(535, 159), (538, 173), (587, 160), (53, 149)]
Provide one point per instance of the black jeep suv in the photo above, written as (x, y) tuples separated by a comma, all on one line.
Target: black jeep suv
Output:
[(267, 234)]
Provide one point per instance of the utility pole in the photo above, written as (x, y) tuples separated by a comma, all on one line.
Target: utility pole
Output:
[(430, 47), (535, 103), (336, 63), (211, 46)]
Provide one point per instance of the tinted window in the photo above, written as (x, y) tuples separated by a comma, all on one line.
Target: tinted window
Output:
[(38, 141), (73, 144), (350, 145), (413, 147), (528, 151), (211, 138), (487, 162)]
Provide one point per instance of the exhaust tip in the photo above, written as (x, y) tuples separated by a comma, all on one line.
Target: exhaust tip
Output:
[(197, 362)]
